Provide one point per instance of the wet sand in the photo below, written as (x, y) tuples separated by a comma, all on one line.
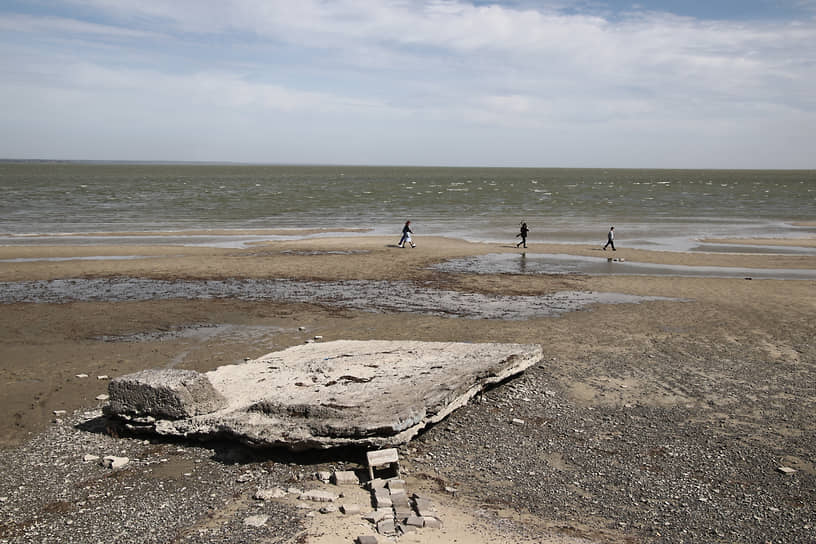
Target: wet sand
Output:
[(734, 358)]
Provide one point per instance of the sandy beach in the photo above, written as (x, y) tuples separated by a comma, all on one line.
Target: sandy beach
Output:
[(658, 421)]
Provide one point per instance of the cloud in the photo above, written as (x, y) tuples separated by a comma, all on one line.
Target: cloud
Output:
[(535, 67)]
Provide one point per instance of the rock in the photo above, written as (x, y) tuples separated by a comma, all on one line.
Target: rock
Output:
[(345, 477), (102, 397), (415, 521), (366, 539), (103, 377), (386, 526), (324, 475), (786, 470), (114, 462), (256, 521), (316, 495), (350, 509), (267, 494), (60, 413), (330, 509), (339, 393), (165, 393), (81, 376), (88, 457), (517, 421), (377, 515)]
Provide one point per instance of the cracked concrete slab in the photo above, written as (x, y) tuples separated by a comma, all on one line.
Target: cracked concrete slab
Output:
[(313, 396)]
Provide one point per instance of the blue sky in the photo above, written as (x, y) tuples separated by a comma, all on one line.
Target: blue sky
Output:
[(589, 83)]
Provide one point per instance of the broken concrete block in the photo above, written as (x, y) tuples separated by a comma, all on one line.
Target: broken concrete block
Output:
[(377, 515), (350, 509), (345, 477), (316, 495), (386, 526), (166, 393), (375, 394), (267, 494), (415, 521), (114, 462)]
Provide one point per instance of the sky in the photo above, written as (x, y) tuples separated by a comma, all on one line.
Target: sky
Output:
[(513, 83)]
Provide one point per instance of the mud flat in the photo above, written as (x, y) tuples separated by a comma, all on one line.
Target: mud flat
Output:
[(661, 421)]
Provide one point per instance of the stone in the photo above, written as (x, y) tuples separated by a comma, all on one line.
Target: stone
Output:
[(387, 457), (60, 413), (345, 477), (256, 521), (165, 393), (324, 475), (382, 498), (376, 515), (517, 421), (395, 484), (415, 521), (424, 506), (399, 498), (374, 394), (386, 526), (328, 509), (267, 494), (366, 539), (317, 495), (377, 483), (88, 457), (114, 462), (350, 509), (103, 396), (81, 376), (786, 470), (103, 377)]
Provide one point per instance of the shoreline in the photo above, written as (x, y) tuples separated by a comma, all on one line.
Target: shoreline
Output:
[(644, 422)]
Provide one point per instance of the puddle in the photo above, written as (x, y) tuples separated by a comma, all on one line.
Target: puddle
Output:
[(541, 263), (373, 296)]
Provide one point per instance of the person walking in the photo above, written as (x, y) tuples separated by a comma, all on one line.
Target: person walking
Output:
[(610, 239), (523, 233), (406, 235)]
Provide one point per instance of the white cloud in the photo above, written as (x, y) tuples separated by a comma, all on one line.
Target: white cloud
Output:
[(428, 64)]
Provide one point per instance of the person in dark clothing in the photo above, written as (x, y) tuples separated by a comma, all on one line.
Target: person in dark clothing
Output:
[(610, 239), (406, 235), (523, 234)]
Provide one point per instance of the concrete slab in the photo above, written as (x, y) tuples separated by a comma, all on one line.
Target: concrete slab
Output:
[(321, 395)]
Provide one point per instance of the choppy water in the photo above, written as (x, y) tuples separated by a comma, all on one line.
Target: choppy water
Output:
[(661, 209)]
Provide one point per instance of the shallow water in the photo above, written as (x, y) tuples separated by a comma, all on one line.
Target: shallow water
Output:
[(539, 263), (374, 296), (658, 209)]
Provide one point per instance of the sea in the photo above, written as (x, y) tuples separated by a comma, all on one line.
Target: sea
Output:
[(55, 202)]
